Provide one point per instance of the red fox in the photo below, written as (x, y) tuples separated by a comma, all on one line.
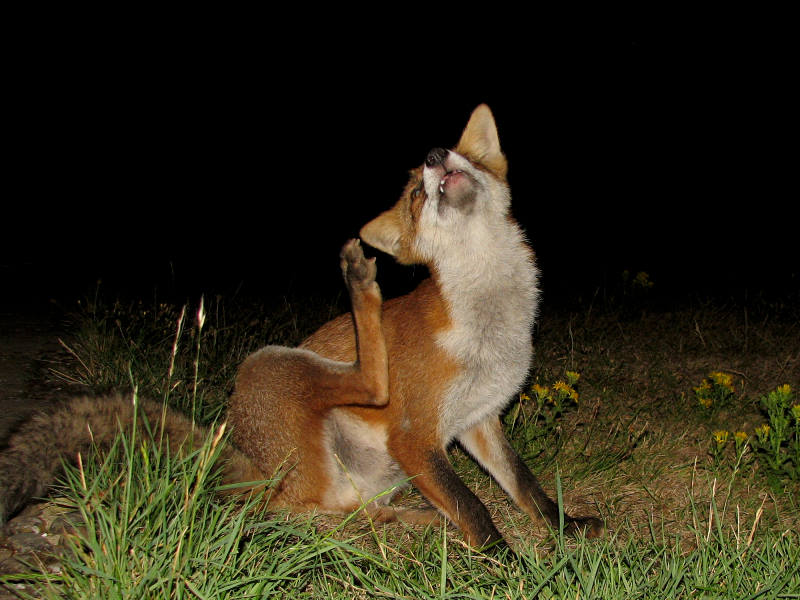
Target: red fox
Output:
[(374, 398)]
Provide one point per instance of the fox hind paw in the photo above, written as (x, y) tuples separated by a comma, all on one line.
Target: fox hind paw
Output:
[(358, 271), (591, 527)]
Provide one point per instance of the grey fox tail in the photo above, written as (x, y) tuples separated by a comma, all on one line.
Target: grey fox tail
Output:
[(35, 453)]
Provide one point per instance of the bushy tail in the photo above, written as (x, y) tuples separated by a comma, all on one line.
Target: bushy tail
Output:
[(36, 452)]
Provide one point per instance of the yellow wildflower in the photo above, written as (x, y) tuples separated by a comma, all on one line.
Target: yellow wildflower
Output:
[(740, 437), (540, 390), (722, 379), (763, 433), (642, 280), (703, 389), (566, 390), (523, 396), (705, 401), (721, 437), (562, 387), (572, 377), (785, 391)]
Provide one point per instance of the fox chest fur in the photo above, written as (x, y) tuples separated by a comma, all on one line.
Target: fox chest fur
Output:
[(490, 339)]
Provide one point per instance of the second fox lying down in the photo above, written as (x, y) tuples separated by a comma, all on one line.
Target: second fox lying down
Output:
[(355, 411)]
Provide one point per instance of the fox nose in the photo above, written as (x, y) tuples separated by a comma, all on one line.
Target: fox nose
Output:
[(436, 157)]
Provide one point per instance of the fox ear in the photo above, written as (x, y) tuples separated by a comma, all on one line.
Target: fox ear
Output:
[(383, 233), (481, 143)]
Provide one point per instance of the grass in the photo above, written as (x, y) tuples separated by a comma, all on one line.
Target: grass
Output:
[(633, 445)]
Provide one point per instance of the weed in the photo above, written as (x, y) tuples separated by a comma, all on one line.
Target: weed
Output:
[(778, 440), (533, 421), (715, 392)]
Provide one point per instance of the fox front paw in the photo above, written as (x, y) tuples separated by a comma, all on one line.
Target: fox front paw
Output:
[(359, 272)]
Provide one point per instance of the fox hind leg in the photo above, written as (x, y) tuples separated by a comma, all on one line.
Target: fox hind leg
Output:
[(281, 373), (365, 297), (280, 408)]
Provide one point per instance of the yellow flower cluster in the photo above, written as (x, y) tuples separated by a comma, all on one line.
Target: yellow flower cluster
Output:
[(721, 437), (722, 379), (642, 280), (565, 390), (704, 389), (560, 390), (541, 391), (716, 388), (763, 433), (705, 401)]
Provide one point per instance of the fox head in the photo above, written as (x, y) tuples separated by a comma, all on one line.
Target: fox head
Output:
[(452, 202)]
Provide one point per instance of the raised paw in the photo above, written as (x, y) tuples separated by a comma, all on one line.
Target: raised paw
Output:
[(358, 271)]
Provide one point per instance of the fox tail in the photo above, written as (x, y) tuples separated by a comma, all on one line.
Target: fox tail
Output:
[(35, 453)]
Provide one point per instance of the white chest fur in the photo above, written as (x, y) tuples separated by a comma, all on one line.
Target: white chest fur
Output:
[(492, 301)]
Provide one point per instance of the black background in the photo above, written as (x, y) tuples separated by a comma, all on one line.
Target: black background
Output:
[(204, 159)]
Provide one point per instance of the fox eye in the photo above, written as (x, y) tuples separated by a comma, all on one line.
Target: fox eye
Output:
[(414, 206)]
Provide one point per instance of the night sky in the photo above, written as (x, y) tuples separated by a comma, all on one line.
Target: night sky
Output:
[(202, 168)]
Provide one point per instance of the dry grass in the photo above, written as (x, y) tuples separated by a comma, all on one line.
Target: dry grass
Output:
[(638, 374)]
